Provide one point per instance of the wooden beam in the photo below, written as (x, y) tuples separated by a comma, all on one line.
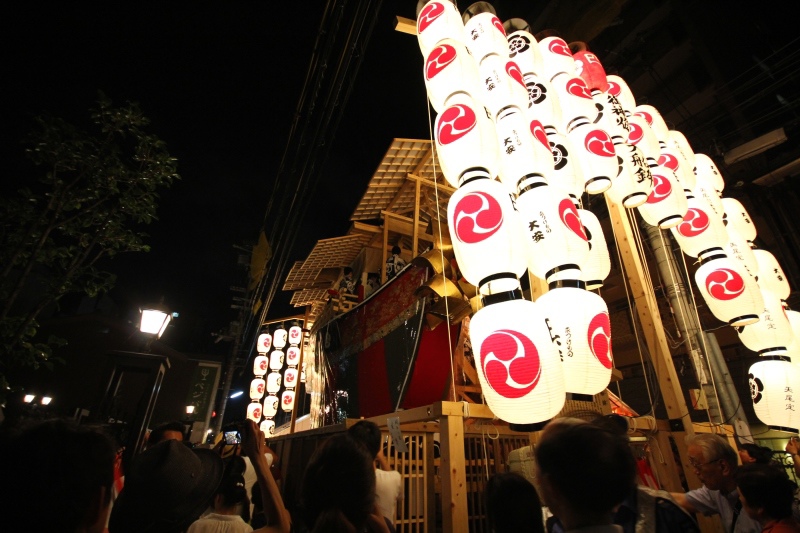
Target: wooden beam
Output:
[(414, 244), (405, 25), (455, 515), (431, 184)]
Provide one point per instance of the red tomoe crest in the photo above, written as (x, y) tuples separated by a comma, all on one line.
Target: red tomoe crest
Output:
[(439, 58), (668, 160), (510, 363), (662, 188), (476, 217), (289, 377), (559, 46), (260, 388), (614, 88), (262, 364), (455, 122), (636, 133), (577, 87), (257, 413), (287, 399), (512, 69), (695, 222), (571, 219), (430, 13), (499, 25), (724, 284), (599, 336), (539, 134), (645, 115), (599, 143)]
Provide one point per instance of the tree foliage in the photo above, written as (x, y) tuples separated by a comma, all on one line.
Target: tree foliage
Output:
[(95, 189)]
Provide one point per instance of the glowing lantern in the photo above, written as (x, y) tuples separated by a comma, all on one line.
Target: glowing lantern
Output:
[(276, 360), (620, 89), (589, 67), (437, 20), (678, 141), (598, 263), (596, 155), (254, 412), (566, 175), (267, 427), (772, 334), (634, 183), (465, 141), (484, 33), (611, 115), (706, 171), (738, 219), (520, 374), (772, 382), (700, 230), (666, 204), (271, 405), (739, 249), (293, 355), (260, 364), (793, 350), (580, 330), (257, 389), (290, 377), (449, 69), (273, 382), (557, 243), (295, 335), (770, 274), (543, 104), (264, 343), (524, 50), (710, 196), (279, 338), (641, 135), (502, 85), (575, 98), (483, 231), (523, 148), (556, 57), (287, 400), (731, 296)]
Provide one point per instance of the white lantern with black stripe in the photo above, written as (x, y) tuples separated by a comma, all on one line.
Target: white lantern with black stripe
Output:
[(437, 20), (772, 334), (772, 382), (449, 69), (700, 230), (770, 274), (738, 219), (598, 263), (731, 296)]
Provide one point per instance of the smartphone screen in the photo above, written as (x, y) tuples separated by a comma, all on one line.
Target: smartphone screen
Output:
[(232, 437)]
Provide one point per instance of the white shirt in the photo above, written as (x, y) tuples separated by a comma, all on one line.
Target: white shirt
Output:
[(220, 523), (389, 489)]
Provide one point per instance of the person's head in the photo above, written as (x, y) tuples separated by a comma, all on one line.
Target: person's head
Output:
[(584, 471), (348, 272), (166, 488), (338, 489), (57, 477), (167, 431), (395, 250), (713, 460), (753, 453), (512, 504), (231, 491), (766, 492), (368, 434)]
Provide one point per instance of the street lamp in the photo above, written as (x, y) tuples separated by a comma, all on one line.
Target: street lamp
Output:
[(29, 398), (154, 321), (189, 409), (46, 400)]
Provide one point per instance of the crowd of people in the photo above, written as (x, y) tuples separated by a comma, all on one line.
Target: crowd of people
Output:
[(59, 476)]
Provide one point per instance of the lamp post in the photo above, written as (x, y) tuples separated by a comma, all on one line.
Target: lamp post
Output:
[(189, 422)]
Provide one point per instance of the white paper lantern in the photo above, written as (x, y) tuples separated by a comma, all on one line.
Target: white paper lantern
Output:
[(465, 141), (580, 330), (770, 274), (520, 374), (575, 99), (543, 104), (276, 359), (271, 405), (267, 427), (257, 389), (254, 412), (611, 116), (598, 263), (634, 183), (641, 135), (666, 204), (730, 295), (596, 155), (523, 148), (437, 20), (706, 170), (482, 228), (619, 88), (264, 343), (556, 57), (287, 400), (279, 338), (524, 49), (772, 383), (566, 175), (260, 364), (711, 198), (557, 243), (670, 156), (502, 85), (290, 377), (700, 230), (293, 355), (295, 335), (678, 141), (273, 382), (793, 350), (449, 69), (772, 334), (484, 35), (738, 219), (739, 249)]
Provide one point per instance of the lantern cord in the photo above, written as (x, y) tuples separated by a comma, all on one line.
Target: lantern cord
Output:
[(631, 306), (441, 253)]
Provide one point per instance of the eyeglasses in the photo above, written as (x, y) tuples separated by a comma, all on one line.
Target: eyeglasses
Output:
[(694, 464)]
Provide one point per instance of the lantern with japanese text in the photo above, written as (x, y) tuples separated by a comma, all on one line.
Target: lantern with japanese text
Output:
[(731, 296), (483, 32), (596, 155), (772, 382), (619, 88), (520, 374), (739, 249), (502, 85), (437, 20), (634, 183), (566, 175), (738, 219), (523, 148), (700, 230), (580, 330), (770, 274), (772, 334), (706, 171), (598, 263)]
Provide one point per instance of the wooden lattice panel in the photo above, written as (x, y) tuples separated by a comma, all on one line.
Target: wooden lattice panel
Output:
[(309, 297), (335, 252)]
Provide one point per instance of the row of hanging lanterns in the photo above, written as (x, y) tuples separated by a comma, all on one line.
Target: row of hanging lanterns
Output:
[(547, 122), (272, 369)]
